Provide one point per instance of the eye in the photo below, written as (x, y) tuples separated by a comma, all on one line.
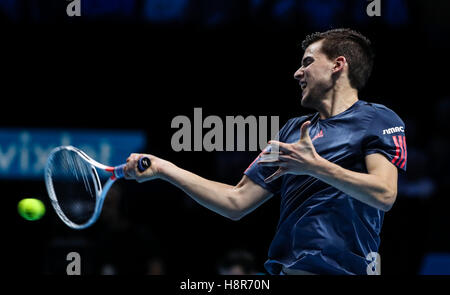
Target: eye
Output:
[(307, 61)]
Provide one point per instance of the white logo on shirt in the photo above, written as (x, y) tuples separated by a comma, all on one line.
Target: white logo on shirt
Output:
[(393, 130)]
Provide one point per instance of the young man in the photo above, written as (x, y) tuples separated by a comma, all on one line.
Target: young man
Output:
[(336, 170)]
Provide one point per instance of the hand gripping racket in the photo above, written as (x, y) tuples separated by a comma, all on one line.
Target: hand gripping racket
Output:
[(74, 187)]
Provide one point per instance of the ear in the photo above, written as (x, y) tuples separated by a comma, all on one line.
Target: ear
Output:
[(339, 64)]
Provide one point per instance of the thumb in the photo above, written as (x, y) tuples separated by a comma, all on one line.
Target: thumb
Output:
[(304, 130)]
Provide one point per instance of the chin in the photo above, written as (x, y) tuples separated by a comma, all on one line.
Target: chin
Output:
[(305, 101)]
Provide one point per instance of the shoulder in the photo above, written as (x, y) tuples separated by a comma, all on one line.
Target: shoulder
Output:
[(381, 114)]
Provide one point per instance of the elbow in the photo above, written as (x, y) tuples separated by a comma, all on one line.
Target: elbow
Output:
[(388, 201), (235, 211), (235, 215)]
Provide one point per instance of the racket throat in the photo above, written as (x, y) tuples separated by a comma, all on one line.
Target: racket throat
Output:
[(112, 170), (117, 172)]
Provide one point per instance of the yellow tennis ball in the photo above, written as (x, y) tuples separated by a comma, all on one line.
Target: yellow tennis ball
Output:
[(31, 209)]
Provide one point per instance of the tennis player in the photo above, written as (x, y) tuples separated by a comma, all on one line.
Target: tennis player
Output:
[(336, 169)]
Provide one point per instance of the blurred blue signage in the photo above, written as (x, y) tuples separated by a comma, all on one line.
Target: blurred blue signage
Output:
[(24, 152), (435, 264), (165, 10)]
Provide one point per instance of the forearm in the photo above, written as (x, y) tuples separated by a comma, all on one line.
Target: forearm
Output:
[(216, 196), (367, 188)]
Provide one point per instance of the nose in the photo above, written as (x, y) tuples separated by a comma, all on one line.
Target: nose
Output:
[(299, 73)]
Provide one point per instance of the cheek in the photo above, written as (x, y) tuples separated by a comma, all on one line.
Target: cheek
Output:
[(320, 75), (312, 76)]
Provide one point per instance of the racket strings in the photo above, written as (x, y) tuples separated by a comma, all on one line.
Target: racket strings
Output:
[(74, 185)]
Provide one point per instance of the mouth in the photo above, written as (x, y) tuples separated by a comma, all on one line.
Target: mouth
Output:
[(303, 85)]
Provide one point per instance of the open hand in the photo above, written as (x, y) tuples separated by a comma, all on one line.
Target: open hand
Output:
[(298, 158)]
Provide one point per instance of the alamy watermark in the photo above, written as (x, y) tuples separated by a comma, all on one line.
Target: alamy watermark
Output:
[(374, 266), (74, 266), (374, 8), (73, 8), (235, 133)]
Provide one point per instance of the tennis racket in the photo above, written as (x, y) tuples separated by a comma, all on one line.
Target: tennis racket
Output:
[(74, 187)]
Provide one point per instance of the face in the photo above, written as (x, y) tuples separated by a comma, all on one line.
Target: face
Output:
[(314, 75)]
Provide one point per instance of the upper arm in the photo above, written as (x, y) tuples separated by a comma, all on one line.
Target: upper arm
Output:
[(385, 135), (378, 165), (248, 195)]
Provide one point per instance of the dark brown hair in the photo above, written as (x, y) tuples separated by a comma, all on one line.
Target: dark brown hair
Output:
[(355, 47)]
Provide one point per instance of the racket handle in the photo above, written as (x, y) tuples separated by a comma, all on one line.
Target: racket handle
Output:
[(143, 164), (118, 171)]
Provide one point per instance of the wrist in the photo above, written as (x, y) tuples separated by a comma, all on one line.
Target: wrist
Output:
[(320, 167), (164, 168)]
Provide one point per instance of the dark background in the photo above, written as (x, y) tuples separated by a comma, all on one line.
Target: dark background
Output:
[(137, 64)]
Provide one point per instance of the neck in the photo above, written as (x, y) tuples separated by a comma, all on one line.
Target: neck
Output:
[(337, 101)]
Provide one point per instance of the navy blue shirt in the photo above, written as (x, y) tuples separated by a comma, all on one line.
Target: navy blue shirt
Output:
[(321, 229)]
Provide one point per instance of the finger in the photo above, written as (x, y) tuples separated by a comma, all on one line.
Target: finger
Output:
[(279, 146), (304, 130), (270, 153), (274, 153), (275, 163), (132, 157), (129, 158), (269, 163), (126, 172), (130, 169), (277, 174), (281, 157), (285, 158)]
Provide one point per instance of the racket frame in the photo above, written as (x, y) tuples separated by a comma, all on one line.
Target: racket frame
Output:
[(100, 192)]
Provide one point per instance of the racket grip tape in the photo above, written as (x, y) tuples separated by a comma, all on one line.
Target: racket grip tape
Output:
[(118, 172)]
